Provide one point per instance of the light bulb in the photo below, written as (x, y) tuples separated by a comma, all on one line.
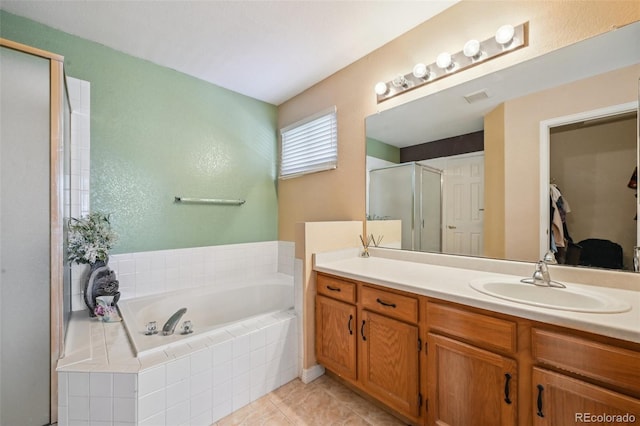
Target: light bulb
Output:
[(443, 60), (421, 71), (471, 49), (505, 34), (400, 81), (381, 88)]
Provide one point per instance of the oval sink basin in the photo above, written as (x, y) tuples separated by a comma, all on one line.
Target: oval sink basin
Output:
[(566, 299)]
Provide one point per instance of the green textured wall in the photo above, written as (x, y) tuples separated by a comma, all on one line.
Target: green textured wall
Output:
[(383, 151), (157, 133)]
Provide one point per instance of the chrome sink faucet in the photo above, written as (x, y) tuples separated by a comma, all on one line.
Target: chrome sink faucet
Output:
[(541, 274), (541, 277), (170, 326)]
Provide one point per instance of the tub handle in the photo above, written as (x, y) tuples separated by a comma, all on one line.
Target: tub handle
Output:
[(333, 288), (349, 325)]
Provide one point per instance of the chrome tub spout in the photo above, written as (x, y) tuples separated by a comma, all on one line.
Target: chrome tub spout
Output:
[(170, 326)]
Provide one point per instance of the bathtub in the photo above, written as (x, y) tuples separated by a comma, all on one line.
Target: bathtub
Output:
[(208, 308)]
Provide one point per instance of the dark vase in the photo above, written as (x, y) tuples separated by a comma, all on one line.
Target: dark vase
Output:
[(101, 281)]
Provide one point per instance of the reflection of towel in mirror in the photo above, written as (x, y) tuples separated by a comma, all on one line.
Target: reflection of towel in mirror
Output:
[(560, 201), (556, 226)]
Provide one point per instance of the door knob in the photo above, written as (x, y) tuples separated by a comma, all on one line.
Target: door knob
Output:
[(452, 227)]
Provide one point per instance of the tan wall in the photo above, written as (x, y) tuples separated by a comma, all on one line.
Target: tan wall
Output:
[(340, 194), (494, 207), (522, 148)]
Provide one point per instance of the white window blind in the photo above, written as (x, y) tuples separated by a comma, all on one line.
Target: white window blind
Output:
[(310, 145)]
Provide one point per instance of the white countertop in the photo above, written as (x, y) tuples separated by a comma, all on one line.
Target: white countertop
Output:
[(452, 284)]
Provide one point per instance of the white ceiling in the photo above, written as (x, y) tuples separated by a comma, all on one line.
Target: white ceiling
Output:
[(268, 50)]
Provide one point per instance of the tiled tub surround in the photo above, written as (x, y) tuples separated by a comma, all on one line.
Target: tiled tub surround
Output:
[(161, 271), (195, 383), (102, 382)]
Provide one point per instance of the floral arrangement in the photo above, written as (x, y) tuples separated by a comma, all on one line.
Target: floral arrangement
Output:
[(90, 238)]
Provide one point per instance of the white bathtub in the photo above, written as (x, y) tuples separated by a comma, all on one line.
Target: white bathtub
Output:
[(208, 309)]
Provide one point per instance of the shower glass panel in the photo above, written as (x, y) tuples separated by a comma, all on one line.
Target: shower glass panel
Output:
[(431, 194), (24, 239), (411, 193)]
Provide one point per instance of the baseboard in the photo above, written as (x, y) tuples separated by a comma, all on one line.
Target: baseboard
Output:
[(310, 374)]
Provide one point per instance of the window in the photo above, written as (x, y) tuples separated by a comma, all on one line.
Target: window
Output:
[(310, 145)]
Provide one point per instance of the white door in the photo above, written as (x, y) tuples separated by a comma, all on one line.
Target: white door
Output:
[(464, 205)]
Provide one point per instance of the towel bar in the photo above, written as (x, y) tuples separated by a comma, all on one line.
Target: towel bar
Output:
[(217, 201)]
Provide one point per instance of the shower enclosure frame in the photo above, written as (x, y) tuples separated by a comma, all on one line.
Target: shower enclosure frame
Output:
[(57, 98), (417, 206)]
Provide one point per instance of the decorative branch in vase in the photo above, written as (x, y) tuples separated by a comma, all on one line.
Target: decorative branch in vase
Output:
[(90, 239)]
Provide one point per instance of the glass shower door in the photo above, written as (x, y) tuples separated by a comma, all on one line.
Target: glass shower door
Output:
[(24, 238)]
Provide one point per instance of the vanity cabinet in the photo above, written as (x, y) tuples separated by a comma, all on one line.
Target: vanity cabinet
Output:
[(563, 400), (372, 341), (435, 362), (473, 378), (592, 379), (389, 357), (335, 326)]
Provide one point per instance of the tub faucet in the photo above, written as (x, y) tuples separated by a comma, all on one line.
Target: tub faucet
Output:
[(169, 327)]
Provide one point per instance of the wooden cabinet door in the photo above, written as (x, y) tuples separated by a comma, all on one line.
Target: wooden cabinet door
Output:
[(389, 362), (336, 336), (469, 386), (562, 400)]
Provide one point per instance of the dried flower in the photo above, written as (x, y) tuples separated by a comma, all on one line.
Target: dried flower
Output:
[(90, 238)]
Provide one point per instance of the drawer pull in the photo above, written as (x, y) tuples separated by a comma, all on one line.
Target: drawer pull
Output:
[(507, 379), (383, 303), (362, 331), (349, 324), (333, 288), (540, 389)]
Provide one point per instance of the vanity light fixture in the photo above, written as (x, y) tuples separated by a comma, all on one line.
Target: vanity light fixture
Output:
[(506, 39)]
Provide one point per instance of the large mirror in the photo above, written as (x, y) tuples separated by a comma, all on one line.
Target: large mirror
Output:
[(536, 157)]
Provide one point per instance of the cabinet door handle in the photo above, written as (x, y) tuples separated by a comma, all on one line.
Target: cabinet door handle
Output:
[(540, 389), (333, 288), (383, 303), (349, 324), (362, 331), (507, 379)]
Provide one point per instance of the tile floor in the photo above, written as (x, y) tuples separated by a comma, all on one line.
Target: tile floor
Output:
[(323, 402)]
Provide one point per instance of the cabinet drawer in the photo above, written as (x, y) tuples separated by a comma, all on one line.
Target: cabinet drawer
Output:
[(392, 304), (336, 288), (481, 329), (600, 361)]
